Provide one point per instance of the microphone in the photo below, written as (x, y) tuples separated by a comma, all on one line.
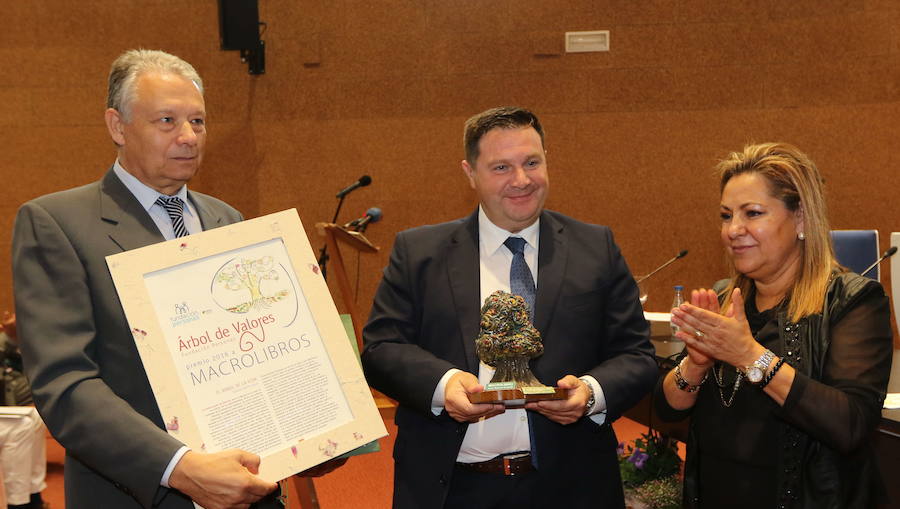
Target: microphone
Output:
[(661, 267), (373, 215), (362, 182), (887, 254)]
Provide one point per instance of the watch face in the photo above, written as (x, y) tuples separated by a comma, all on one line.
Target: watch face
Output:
[(754, 374)]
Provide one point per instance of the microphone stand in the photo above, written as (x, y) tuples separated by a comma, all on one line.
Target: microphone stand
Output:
[(661, 267), (887, 254), (323, 253)]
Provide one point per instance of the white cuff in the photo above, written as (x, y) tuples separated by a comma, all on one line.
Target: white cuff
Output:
[(598, 411), (174, 461), (437, 399)]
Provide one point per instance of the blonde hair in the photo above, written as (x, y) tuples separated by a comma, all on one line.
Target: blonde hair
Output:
[(794, 179)]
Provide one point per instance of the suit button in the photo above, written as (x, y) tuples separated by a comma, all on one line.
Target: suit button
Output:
[(442, 481)]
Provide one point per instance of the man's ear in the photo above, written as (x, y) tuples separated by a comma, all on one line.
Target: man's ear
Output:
[(115, 125), (470, 172)]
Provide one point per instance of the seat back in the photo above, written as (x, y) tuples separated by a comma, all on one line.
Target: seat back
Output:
[(857, 250)]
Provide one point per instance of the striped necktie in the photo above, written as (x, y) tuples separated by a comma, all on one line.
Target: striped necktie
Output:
[(175, 208), (521, 282)]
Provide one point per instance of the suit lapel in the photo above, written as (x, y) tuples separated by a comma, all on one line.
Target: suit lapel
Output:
[(552, 255), (208, 218), (129, 225), (462, 256)]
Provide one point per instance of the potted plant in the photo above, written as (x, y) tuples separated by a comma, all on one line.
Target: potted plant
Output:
[(650, 469)]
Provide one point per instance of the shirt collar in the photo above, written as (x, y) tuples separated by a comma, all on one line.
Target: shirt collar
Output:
[(145, 194), (492, 236)]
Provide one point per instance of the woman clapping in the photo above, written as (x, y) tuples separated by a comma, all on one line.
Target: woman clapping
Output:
[(787, 362)]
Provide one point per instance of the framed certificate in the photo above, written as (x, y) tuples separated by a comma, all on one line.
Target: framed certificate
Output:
[(244, 347)]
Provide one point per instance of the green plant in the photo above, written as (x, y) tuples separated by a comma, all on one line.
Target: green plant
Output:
[(651, 457)]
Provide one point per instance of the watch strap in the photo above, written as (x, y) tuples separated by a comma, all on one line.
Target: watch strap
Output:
[(591, 399)]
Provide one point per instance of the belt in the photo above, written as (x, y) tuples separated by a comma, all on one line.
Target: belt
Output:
[(511, 464)]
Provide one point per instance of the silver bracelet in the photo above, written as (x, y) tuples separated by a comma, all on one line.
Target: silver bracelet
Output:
[(683, 384)]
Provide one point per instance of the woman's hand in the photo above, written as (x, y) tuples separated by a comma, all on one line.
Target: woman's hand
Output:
[(708, 300), (711, 336), (696, 365)]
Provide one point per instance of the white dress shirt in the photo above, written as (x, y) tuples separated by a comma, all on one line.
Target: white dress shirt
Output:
[(147, 196)]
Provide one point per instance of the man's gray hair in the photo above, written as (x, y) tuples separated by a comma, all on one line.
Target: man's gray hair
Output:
[(133, 63)]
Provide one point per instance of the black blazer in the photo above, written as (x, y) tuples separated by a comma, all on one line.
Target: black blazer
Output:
[(424, 321)]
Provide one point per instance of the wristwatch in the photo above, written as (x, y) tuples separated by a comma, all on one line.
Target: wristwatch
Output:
[(756, 371), (590, 402)]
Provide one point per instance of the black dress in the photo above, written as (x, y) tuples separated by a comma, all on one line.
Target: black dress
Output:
[(738, 442)]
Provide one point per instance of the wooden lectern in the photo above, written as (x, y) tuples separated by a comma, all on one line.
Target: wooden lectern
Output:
[(358, 242), (301, 492), (335, 234)]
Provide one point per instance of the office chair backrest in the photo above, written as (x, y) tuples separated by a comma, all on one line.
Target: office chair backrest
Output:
[(857, 250)]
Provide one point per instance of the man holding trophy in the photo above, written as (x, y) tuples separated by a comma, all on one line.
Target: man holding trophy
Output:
[(571, 283)]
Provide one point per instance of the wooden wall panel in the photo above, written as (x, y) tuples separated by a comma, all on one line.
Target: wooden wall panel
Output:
[(382, 88)]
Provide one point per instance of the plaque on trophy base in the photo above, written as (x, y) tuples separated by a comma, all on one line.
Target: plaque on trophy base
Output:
[(514, 397)]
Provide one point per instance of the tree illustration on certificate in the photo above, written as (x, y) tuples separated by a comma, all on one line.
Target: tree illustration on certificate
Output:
[(252, 278)]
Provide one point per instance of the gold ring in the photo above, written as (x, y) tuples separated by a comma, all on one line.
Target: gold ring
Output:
[(699, 334)]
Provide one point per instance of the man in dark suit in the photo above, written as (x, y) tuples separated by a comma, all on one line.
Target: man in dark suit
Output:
[(87, 378), (420, 341)]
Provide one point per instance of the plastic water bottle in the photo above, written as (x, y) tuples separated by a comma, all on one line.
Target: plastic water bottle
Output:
[(676, 302)]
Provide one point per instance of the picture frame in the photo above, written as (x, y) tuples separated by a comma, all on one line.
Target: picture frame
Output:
[(244, 347)]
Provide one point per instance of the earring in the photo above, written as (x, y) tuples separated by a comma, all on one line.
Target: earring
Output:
[(801, 236)]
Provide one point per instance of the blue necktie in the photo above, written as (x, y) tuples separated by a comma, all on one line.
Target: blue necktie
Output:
[(175, 208), (521, 282)]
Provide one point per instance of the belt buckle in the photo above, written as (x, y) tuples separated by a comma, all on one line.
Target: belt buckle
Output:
[(506, 467)]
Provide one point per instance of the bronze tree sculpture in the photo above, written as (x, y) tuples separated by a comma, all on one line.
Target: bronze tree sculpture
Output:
[(508, 340)]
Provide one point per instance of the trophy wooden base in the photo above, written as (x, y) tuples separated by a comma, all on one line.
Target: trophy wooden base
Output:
[(516, 398)]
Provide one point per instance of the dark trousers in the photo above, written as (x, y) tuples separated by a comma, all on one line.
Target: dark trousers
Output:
[(477, 490)]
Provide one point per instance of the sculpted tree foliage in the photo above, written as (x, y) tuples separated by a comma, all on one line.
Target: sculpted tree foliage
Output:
[(508, 340)]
